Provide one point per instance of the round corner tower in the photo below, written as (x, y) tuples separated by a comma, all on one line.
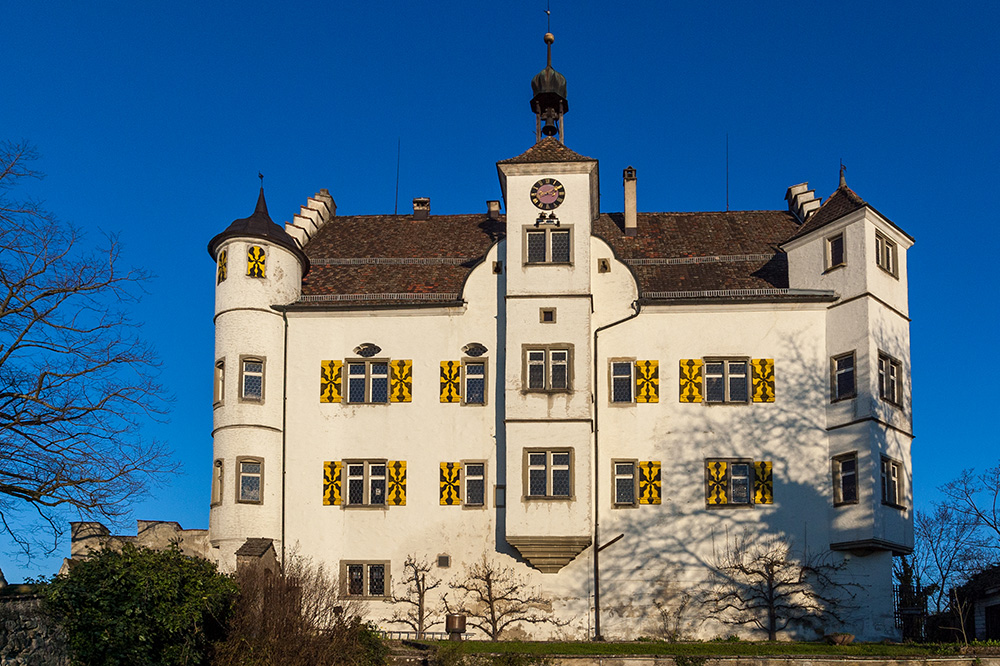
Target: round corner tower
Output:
[(258, 266)]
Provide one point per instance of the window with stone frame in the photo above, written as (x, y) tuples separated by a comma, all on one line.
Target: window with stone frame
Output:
[(727, 380), (845, 478), (842, 377), (622, 380), (474, 483), (365, 579), (890, 379), (547, 246), (474, 380), (366, 482), (250, 480), (547, 367), (367, 381), (625, 485), (835, 251), (252, 378), (548, 473), (217, 480), (885, 254), (892, 482), (220, 382)]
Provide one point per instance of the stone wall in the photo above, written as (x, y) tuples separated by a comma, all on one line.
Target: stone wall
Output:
[(27, 637)]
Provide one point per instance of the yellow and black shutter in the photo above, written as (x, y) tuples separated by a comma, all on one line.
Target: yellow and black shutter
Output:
[(647, 381), (256, 261), (649, 482), (330, 373), (332, 473), (451, 483), (763, 482), (401, 381), (690, 379), (451, 381), (716, 482), (397, 483), (763, 379)]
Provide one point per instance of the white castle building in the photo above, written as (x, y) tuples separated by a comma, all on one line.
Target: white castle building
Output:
[(535, 384)]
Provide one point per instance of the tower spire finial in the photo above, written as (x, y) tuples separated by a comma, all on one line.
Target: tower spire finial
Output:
[(843, 180)]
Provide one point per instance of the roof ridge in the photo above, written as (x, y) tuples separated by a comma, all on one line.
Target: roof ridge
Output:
[(549, 149)]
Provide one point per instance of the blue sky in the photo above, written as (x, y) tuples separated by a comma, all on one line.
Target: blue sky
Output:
[(154, 119)]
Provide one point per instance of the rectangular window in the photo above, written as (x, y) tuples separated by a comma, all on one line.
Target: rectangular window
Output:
[(366, 580), (736, 482), (547, 246), (739, 483), (845, 479), (835, 251), (885, 254), (889, 375), (547, 368), (217, 477), (250, 480), (622, 381), (842, 384), (624, 471), (252, 379), (726, 380), (220, 381), (368, 382), (366, 483), (549, 474), (891, 487), (474, 376), (475, 484)]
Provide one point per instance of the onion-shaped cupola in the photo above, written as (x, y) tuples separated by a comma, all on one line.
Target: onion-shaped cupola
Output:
[(549, 101), (260, 225)]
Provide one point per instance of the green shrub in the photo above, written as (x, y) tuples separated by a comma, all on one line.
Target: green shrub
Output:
[(140, 606)]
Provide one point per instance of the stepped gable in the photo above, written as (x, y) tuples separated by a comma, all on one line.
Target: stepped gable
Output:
[(704, 251), (843, 201), (383, 258), (549, 149)]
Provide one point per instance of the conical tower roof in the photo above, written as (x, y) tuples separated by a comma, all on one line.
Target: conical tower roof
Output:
[(260, 225)]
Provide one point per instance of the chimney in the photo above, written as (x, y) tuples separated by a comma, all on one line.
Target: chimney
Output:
[(421, 208), (631, 224), (493, 210), (802, 201)]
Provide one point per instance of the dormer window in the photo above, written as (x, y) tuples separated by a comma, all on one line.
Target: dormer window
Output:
[(835, 254)]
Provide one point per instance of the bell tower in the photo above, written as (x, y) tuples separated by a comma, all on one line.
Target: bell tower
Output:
[(549, 102)]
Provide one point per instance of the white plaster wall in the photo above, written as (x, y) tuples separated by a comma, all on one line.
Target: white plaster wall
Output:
[(892, 289), (807, 258)]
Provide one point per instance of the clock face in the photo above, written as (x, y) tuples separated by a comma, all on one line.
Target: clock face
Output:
[(547, 193)]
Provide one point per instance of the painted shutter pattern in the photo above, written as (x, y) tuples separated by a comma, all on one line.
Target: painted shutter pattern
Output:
[(332, 471), (716, 482), (690, 376), (397, 483), (451, 483), (329, 380), (647, 381), (401, 381), (649, 482), (223, 266), (451, 381), (763, 483), (763, 379), (256, 260)]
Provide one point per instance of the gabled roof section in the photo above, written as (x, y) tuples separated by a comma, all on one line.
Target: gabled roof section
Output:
[(548, 149), (840, 203), (255, 547)]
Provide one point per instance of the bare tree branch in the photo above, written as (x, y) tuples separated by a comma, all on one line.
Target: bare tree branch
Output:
[(416, 584), (76, 381), (494, 597)]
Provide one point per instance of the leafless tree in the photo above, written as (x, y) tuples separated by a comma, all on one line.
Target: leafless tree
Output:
[(494, 597), (416, 583), (672, 605), (948, 549), (75, 379), (760, 583), (977, 496)]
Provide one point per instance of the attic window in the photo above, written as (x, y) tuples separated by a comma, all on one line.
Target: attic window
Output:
[(835, 255)]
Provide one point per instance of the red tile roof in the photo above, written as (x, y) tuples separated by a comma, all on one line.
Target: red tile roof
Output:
[(548, 149), (843, 201)]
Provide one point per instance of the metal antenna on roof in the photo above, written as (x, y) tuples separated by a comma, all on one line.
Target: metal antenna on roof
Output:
[(395, 207), (727, 172), (548, 16)]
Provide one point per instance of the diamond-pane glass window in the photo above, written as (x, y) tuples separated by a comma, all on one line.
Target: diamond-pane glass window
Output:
[(537, 474), (475, 484), (356, 484), (356, 579), (376, 580), (549, 474), (356, 382), (377, 481), (253, 380), (560, 247), (715, 385), (740, 483), (250, 477), (536, 369), (560, 369), (621, 382), (536, 247), (475, 383), (380, 382), (737, 381), (624, 483), (560, 475), (726, 381)]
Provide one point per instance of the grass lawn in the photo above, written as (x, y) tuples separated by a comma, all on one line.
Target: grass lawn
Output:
[(711, 649)]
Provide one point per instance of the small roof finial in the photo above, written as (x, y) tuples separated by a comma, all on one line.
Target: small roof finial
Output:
[(261, 176), (843, 180)]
